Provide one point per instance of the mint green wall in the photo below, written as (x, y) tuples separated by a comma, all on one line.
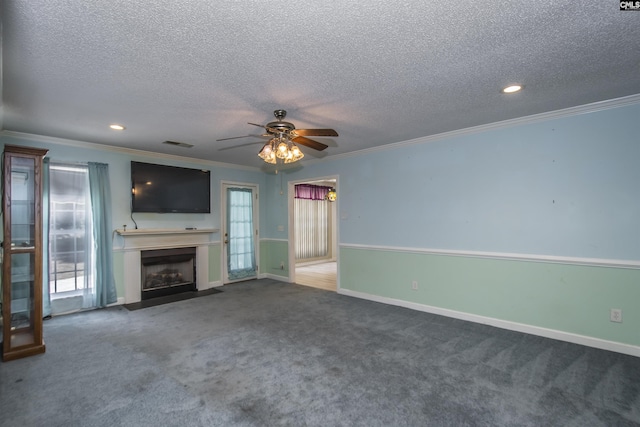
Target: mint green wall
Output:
[(569, 298), (118, 272), (272, 253)]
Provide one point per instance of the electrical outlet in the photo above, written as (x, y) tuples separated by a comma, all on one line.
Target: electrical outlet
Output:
[(616, 315), (414, 285)]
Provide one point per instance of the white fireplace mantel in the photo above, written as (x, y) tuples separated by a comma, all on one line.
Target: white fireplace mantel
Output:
[(158, 238), (142, 231), (133, 242)]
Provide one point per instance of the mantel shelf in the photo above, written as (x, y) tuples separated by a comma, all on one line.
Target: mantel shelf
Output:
[(155, 231)]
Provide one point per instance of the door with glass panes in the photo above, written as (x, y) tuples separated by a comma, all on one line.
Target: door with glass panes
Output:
[(239, 232)]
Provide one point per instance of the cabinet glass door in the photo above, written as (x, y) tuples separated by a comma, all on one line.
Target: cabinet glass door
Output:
[(22, 263), (22, 299), (22, 202)]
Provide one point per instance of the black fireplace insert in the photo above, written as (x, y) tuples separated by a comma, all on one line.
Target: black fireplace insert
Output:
[(167, 271)]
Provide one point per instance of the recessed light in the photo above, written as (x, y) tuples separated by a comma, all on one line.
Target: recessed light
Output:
[(117, 127), (512, 89)]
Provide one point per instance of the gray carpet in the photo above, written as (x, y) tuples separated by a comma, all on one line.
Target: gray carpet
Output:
[(266, 353)]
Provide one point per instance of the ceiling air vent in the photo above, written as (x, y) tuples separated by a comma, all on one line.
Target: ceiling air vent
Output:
[(178, 144)]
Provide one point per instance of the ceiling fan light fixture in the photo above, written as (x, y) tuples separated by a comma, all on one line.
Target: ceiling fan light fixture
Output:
[(282, 148), (266, 152), (289, 158), (297, 153), (294, 154), (281, 145), (271, 158)]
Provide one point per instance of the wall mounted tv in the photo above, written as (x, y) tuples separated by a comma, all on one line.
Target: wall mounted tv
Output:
[(169, 189)]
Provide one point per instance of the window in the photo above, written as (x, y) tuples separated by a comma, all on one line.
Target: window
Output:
[(69, 230)]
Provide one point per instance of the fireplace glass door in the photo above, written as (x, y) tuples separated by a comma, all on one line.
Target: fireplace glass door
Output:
[(167, 271)]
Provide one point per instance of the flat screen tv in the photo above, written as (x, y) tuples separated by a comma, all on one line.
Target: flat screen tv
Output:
[(169, 189)]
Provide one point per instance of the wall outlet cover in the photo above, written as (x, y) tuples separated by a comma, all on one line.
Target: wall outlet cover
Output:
[(616, 315)]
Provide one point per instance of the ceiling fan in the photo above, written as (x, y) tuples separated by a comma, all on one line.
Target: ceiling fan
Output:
[(284, 136)]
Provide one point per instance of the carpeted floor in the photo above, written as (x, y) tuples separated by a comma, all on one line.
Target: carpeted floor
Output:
[(266, 353)]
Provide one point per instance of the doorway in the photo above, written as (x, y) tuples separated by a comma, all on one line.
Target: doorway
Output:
[(313, 233), (240, 232)]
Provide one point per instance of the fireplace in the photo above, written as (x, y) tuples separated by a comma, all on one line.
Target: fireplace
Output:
[(167, 272), (133, 242)]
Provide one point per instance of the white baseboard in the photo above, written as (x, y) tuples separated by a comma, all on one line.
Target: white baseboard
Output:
[(210, 285), (285, 279), (504, 324)]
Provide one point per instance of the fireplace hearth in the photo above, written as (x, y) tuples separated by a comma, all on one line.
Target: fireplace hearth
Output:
[(167, 272)]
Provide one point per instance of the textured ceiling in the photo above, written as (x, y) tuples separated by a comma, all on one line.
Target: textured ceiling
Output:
[(378, 72)]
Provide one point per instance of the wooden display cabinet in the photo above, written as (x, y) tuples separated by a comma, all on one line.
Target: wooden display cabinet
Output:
[(22, 253)]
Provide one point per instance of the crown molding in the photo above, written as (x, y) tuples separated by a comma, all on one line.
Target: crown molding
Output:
[(122, 150), (535, 118)]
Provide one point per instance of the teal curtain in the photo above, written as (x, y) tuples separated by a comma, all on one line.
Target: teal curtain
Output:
[(241, 260), (46, 298), (100, 195)]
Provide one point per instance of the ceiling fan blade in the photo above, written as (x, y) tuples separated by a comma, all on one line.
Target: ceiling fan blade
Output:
[(233, 147), (271, 130), (234, 137), (309, 143), (315, 132)]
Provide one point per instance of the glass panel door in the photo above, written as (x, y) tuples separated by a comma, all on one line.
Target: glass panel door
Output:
[(240, 233)]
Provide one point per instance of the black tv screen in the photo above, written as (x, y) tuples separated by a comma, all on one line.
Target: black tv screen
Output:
[(169, 189)]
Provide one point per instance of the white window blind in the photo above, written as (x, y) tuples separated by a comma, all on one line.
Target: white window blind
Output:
[(311, 228)]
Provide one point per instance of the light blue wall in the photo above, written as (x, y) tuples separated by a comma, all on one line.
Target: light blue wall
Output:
[(276, 207), (563, 187), (119, 173)]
